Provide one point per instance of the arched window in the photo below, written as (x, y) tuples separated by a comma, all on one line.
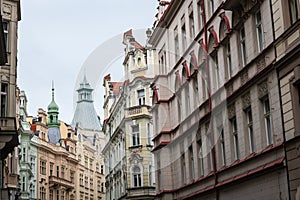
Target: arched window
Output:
[(136, 176), (201, 51)]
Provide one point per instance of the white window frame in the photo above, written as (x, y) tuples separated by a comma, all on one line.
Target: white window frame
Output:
[(243, 46), (135, 136), (141, 97), (259, 31), (267, 120), (234, 132), (249, 117), (136, 177)]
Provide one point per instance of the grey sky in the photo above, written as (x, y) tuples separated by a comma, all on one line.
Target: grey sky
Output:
[(57, 38)]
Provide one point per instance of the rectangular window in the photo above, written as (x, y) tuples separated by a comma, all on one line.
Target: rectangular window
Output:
[(183, 168), (51, 194), (192, 163), (162, 61), (62, 171), (250, 129), (23, 184), (81, 179), (91, 183), (228, 59), (141, 96), (199, 14), (57, 194), (267, 117), (51, 169), (150, 175), (243, 46), (259, 31), (216, 69), (235, 138), (24, 154), (176, 44), (6, 34), (43, 167), (183, 33), (149, 135), (222, 142), (293, 11), (72, 175), (57, 171), (200, 154), (4, 99), (212, 6), (135, 132), (62, 195), (191, 22)]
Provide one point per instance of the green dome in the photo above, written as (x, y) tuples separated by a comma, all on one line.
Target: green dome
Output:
[(53, 107)]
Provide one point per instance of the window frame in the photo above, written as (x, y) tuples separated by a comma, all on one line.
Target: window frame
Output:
[(259, 31), (135, 136)]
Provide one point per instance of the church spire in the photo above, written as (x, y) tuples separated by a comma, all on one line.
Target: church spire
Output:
[(53, 111)]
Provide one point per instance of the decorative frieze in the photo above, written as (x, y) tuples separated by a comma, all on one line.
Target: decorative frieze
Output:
[(260, 63), (231, 111), (6, 10), (229, 89), (244, 77), (246, 100)]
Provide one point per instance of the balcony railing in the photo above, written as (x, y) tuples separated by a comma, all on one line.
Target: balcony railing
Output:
[(53, 180), (137, 111)]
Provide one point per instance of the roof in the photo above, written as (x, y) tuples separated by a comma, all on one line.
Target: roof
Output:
[(137, 45), (116, 87), (86, 116)]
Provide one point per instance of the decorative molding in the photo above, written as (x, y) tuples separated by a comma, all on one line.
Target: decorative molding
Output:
[(246, 100), (229, 89), (263, 89), (231, 111), (244, 77), (6, 10), (135, 159), (260, 63)]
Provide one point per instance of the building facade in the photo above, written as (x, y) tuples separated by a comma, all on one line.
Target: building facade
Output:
[(56, 157), (129, 163), (287, 46), (218, 130), (27, 153), (10, 16), (90, 142)]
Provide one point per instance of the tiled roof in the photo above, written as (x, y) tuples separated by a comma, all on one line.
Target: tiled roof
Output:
[(116, 87)]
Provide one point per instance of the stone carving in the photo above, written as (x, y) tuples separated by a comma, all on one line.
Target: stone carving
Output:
[(229, 89), (135, 159), (231, 111), (244, 77), (263, 89), (246, 100), (260, 63), (6, 10)]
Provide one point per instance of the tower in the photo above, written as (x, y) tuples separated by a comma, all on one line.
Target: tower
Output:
[(53, 123)]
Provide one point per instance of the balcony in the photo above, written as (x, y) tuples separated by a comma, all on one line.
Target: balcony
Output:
[(8, 135), (55, 181), (137, 111)]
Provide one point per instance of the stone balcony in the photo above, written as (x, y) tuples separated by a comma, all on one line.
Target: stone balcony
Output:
[(57, 181), (137, 111), (8, 135)]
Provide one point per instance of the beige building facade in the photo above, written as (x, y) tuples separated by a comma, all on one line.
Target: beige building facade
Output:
[(218, 131), (10, 17), (129, 163)]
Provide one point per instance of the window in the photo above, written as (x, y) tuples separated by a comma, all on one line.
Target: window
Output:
[(72, 173), (204, 83), (217, 69), (183, 33), (200, 153), (191, 21), (86, 181), (57, 171), (102, 187), (136, 176), (86, 161), (57, 194), (32, 163), (32, 190), (81, 179), (150, 175), (24, 154), (191, 163), (176, 44), (187, 99), (235, 138), (259, 31), (162, 61), (250, 129), (222, 142), (183, 167), (149, 135), (101, 169), (91, 163), (62, 195), (135, 135), (293, 11), (212, 6), (267, 117), (43, 167), (23, 184), (4, 99), (141, 96), (6, 34), (199, 14), (62, 171), (243, 46), (209, 145), (42, 193), (228, 60), (91, 183)]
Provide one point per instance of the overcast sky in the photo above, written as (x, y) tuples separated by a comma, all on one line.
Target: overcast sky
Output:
[(60, 39)]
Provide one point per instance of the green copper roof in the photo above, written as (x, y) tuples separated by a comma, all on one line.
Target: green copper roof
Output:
[(53, 107)]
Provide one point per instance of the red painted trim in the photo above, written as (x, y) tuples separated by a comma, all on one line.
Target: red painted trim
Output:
[(160, 145), (194, 57), (156, 94), (187, 71), (226, 20), (213, 32), (178, 78)]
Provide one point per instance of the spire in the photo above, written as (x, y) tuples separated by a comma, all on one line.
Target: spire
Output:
[(53, 110), (52, 90)]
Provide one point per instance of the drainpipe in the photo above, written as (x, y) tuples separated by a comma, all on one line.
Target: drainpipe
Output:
[(213, 150)]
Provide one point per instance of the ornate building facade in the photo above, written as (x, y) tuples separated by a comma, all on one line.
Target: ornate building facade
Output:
[(10, 17), (217, 118), (129, 164), (90, 142)]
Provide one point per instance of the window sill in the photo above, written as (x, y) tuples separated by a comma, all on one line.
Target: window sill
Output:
[(136, 147)]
